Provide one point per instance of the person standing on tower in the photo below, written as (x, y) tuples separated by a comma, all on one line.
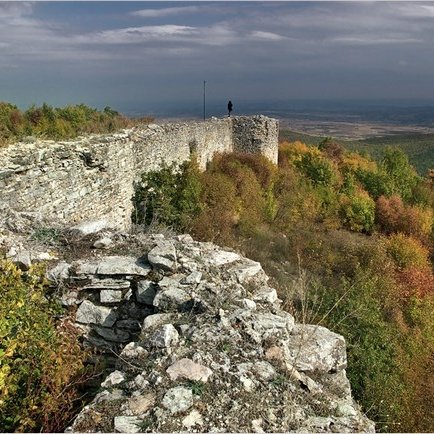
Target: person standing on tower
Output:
[(230, 106)]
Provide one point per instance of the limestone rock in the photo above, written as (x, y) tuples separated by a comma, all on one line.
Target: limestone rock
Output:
[(246, 270), (186, 368), (266, 294), (316, 349), (113, 335), (172, 300), (129, 324), (126, 265), (133, 350), (145, 292), (194, 418), (178, 399), (103, 243), (70, 298), (241, 364), (89, 313), (157, 319), (59, 273), (268, 324), (248, 304), (139, 405), (113, 379), (23, 260), (110, 296), (127, 424), (107, 283), (84, 267), (218, 258), (164, 337), (163, 256), (193, 278)]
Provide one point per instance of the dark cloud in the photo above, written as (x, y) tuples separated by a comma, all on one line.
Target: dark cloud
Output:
[(140, 52)]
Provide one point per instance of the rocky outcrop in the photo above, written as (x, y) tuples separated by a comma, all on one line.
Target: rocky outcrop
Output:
[(202, 344)]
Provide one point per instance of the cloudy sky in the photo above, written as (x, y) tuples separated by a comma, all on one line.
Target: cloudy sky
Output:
[(132, 55)]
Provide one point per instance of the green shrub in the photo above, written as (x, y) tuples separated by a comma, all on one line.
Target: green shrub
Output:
[(401, 174), (358, 212), (169, 196), (406, 251), (58, 123), (220, 209), (41, 362), (318, 169)]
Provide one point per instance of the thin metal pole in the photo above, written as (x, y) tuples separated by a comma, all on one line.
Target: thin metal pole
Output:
[(204, 101)]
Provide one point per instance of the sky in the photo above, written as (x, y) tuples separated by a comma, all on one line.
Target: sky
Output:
[(139, 56)]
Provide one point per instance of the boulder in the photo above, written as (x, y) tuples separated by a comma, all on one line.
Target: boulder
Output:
[(178, 399), (145, 292), (164, 337), (113, 379), (163, 256), (89, 313), (172, 300), (316, 349), (186, 368)]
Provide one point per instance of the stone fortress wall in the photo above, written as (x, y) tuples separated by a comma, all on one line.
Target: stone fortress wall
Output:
[(93, 177)]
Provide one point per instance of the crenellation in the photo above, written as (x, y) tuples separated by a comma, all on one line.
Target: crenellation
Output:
[(94, 177)]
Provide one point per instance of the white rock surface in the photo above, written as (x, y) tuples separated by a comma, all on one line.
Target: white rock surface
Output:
[(178, 399), (127, 424), (113, 379), (89, 313), (186, 368)]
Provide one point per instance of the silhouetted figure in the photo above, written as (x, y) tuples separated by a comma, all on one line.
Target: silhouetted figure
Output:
[(230, 105)]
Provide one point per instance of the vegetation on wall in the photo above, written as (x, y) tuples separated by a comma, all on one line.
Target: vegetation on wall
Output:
[(49, 122), (348, 242), (41, 361)]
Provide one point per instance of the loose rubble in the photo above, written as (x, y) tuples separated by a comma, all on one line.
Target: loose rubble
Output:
[(203, 346), (201, 341)]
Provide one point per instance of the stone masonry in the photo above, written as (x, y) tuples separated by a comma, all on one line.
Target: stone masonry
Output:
[(93, 177)]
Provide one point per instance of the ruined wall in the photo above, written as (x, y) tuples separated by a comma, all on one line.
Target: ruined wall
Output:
[(256, 134), (93, 177)]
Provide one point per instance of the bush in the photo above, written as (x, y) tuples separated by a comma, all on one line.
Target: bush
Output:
[(220, 209), (394, 216), (331, 149), (389, 213), (407, 251), (402, 176), (290, 152), (318, 169), (169, 196), (358, 212), (58, 123), (41, 362)]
